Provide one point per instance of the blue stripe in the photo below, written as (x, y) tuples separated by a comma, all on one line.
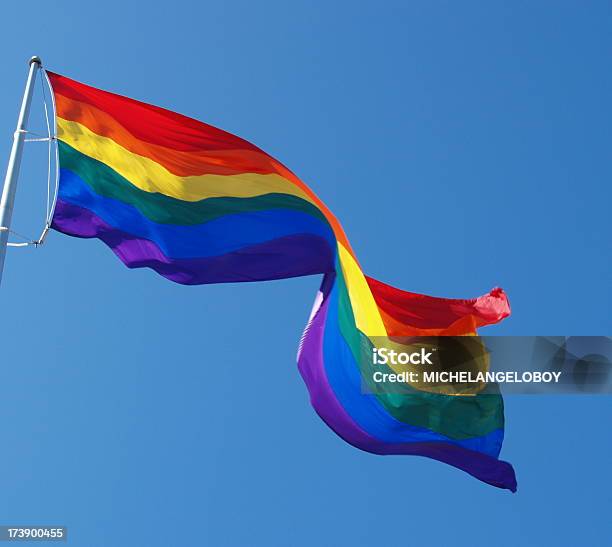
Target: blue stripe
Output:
[(216, 237)]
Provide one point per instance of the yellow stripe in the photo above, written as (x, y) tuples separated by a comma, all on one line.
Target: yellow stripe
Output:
[(365, 310), (150, 176)]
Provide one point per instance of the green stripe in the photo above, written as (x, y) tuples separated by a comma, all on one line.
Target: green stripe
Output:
[(165, 209), (454, 416)]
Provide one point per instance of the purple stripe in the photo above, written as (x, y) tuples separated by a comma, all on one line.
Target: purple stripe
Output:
[(289, 256), (310, 363)]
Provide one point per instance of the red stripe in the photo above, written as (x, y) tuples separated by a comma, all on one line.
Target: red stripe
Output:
[(151, 123), (406, 311)]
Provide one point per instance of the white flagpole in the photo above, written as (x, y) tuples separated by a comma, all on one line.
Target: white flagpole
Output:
[(12, 171)]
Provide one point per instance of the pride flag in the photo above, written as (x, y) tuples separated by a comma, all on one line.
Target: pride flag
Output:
[(199, 205)]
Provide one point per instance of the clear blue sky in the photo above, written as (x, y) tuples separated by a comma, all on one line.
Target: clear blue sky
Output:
[(138, 412)]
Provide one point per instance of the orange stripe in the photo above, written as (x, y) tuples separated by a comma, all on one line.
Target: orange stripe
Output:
[(178, 162), (463, 326)]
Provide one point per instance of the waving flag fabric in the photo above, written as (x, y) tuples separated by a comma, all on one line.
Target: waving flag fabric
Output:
[(199, 205)]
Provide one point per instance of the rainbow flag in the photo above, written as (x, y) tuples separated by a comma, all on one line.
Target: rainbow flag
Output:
[(199, 205)]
